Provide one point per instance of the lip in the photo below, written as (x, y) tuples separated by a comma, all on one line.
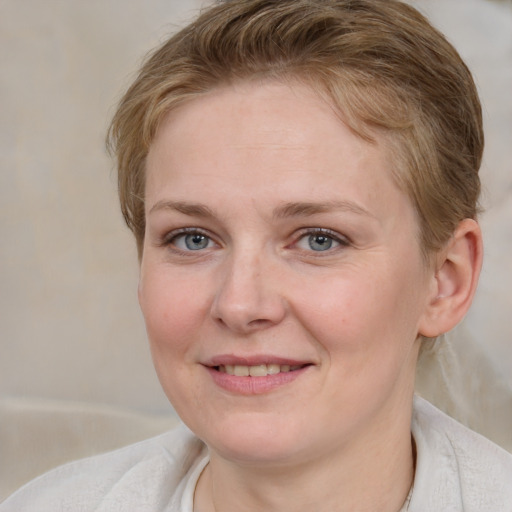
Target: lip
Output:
[(254, 360), (254, 385)]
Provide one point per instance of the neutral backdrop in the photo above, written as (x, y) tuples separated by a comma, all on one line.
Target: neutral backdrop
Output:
[(70, 325)]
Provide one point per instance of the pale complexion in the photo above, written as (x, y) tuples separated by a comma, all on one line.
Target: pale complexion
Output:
[(275, 235)]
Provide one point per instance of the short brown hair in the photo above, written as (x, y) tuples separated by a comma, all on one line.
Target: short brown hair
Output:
[(380, 63)]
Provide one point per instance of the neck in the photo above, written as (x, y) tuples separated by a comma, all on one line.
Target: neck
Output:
[(373, 473)]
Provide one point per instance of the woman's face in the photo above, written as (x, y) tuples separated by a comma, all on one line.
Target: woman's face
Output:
[(282, 282)]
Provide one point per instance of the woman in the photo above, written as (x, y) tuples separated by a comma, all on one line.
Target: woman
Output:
[(301, 178)]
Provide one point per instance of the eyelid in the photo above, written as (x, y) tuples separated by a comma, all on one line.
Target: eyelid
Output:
[(343, 240), (167, 239)]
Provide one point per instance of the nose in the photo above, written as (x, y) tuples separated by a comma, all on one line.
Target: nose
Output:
[(248, 297)]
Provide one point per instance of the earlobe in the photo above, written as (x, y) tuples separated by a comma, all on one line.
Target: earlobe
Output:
[(455, 280)]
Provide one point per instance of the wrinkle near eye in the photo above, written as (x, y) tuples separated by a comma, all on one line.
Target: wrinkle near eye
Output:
[(318, 241), (192, 242), (189, 240)]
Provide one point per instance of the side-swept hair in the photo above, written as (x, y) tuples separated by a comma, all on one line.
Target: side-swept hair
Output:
[(381, 65)]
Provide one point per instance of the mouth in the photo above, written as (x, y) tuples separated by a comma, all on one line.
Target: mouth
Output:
[(260, 370), (240, 376)]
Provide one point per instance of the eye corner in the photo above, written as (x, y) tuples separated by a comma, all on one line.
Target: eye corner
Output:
[(320, 241), (189, 241)]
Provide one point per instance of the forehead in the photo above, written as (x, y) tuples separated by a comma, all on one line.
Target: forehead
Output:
[(265, 141)]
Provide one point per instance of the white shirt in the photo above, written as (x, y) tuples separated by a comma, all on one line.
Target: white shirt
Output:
[(457, 470)]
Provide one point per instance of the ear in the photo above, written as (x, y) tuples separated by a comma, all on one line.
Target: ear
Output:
[(454, 281)]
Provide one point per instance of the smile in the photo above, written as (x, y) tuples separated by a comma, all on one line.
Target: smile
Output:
[(255, 379), (260, 370)]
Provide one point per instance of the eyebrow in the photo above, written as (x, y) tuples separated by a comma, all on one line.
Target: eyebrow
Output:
[(286, 210), (305, 209), (190, 209)]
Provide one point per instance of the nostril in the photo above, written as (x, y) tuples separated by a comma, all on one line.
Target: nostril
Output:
[(246, 308), (259, 322)]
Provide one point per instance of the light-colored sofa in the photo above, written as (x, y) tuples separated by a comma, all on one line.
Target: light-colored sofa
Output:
[(37, 435)]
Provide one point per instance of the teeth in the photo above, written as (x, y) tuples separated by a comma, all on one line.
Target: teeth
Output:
[(258, 371), (241, 371), (272, 369), (261, 370)]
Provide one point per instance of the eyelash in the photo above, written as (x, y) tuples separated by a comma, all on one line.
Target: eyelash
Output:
[(343, 241), (169, 240)]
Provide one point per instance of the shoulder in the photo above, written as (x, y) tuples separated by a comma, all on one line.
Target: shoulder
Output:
[(142, 476), (457, 469)]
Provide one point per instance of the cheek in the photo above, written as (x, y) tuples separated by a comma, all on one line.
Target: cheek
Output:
[(173, 310), (173, 313), (360, 312)]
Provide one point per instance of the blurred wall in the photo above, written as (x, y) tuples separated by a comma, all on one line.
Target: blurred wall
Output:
[(482, 32), (70, 325)]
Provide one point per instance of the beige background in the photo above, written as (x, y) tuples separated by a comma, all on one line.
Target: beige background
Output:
[(70, 326)]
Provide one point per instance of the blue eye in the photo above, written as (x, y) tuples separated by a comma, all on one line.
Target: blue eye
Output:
[(319, 241), (192, 241)]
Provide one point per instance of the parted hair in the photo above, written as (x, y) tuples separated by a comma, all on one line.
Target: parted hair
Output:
[(380, 64)]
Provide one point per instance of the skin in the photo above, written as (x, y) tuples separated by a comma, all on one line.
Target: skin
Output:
[(256, 170)]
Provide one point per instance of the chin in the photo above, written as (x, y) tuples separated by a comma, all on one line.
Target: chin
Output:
[(252, 439)]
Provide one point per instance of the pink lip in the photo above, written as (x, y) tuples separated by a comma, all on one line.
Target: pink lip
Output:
[(255, 360), (253, 385)]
